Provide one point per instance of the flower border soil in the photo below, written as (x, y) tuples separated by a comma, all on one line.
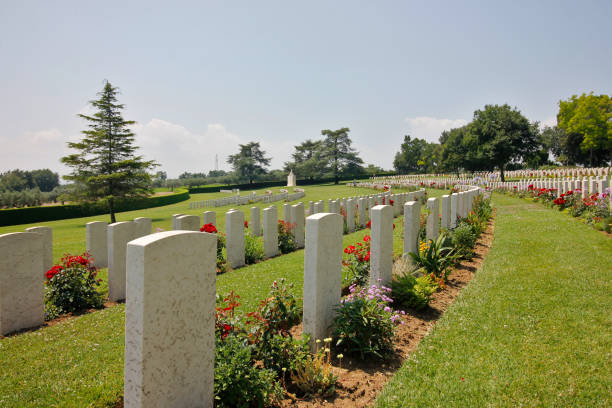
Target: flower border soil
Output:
[(359, 382)]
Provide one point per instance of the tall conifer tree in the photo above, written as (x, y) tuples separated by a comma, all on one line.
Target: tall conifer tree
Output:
[(106, 166)]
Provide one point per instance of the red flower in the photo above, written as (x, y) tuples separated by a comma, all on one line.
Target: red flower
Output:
[(246, 224), (366, 238), (210, 228), (53, 271), (367, 257), (349, 249), (391, 202), (369, 224)]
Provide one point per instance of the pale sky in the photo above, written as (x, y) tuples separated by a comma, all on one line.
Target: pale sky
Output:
[(201, 77)]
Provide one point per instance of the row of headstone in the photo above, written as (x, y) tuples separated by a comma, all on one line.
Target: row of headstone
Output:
[(527, 173), (250, 199)]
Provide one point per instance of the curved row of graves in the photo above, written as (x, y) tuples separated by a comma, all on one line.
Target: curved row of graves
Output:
[(169, 283)]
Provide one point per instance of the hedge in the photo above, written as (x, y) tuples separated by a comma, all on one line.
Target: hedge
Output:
[(28, 215)]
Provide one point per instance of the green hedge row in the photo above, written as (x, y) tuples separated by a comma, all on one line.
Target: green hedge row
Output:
[(28, 215)]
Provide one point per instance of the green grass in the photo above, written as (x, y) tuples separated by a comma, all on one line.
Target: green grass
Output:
[(532, 329), (79, 362)]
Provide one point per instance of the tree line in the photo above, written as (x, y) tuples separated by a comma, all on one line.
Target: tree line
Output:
[(501, 138)]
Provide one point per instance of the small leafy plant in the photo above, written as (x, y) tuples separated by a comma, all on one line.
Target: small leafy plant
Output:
[(436, 257), (238, 381), (413, 292), (71, 286), (464, 240), (365, 322), (314, 377)]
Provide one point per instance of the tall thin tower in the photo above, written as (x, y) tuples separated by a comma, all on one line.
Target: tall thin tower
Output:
[(216, 162)]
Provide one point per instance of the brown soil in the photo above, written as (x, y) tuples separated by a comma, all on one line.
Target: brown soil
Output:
[(359, 382)]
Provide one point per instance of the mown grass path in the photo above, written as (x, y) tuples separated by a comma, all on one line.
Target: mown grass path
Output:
[(533, 328)]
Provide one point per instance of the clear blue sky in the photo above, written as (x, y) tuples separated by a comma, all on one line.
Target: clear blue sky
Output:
[(201, 77)]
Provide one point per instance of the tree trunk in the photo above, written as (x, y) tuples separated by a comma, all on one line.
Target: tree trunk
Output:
[(111, 208), (501, 170)]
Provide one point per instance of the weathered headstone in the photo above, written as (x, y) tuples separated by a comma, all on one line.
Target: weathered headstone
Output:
[(142, 226), (170, 320), (210, 217), (362, 210), (188, 223), (270, 231), (322, 274), (297, 215), (174, 217), (350, 215), (453, 210), (118, 235), (381, 245), (255, 226), (445, 212), (412, 223), (47, 252), (21, 281), (287, 213), (97, 243), (433, 219), (234, 228)]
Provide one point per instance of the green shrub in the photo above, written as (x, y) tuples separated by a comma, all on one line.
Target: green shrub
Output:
[(253, 249), (364, 323), (283, 353), (238, 381), (464, 240), (409, 291), (286, 242), (71, 286), (482, 208), (280, 309)]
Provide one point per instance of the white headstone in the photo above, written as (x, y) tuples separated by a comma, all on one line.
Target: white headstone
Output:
[(255, 226), (188, 223), (143, 226), (270, 231), (381, 245), (170, 320), (234, 228), (209, 217), (118, 235), (97, 243), (21, 281), (322, 274), (412, 223), (47, 252), (297, 215), (433, 219)]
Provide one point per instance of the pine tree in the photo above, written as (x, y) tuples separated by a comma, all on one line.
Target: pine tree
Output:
[(106, 166)]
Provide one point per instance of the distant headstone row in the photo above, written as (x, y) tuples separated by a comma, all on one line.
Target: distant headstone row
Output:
[(249, 199), (527, 173)]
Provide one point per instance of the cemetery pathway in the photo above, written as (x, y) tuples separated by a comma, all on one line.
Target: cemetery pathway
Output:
[(533, 328)]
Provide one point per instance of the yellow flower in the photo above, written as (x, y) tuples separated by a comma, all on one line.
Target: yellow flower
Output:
[(340, 356)]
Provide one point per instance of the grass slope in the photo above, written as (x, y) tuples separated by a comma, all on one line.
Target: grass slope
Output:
[(79, 362), (533, 328)]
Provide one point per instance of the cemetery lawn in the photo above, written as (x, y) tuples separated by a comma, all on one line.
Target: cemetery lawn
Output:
[(78, 362), (533, 328)]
